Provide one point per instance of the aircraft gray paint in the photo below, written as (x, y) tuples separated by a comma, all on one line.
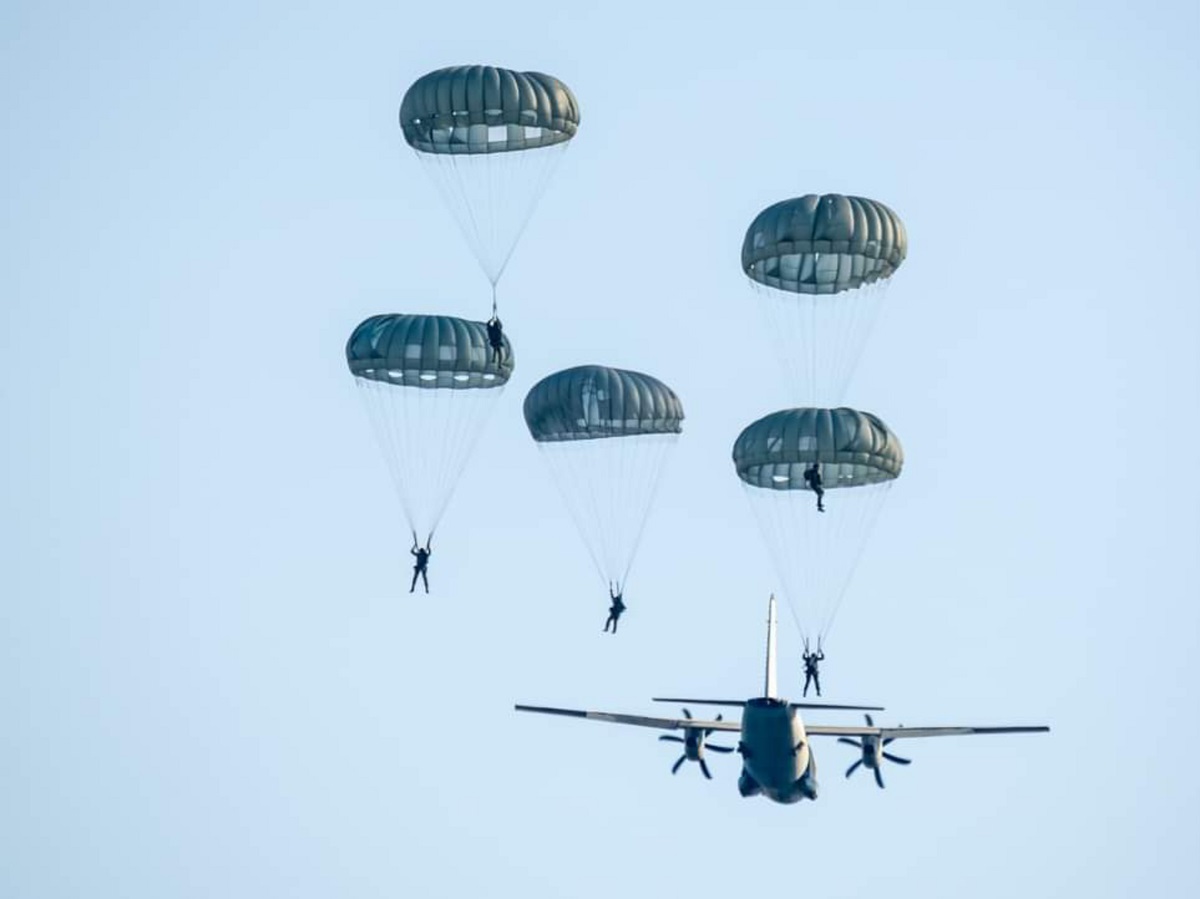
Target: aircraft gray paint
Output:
[(777, 761)]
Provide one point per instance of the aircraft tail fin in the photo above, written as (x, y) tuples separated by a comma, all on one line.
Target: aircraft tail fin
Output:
[(771, 688)]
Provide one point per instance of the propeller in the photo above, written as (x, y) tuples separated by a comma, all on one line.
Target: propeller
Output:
[(694, 745), (872, 752)]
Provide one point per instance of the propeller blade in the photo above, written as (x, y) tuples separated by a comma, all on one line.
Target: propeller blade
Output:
[(704, 768), (718, 748), (879, 778), (675, 767), (670, 739), (718, 718), (888, 740), (687, 714), (870, 723), (897, 759), (853, 768), (845, 740)]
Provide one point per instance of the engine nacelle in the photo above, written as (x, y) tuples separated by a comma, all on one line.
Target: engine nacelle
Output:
[(693, 743), (747, 785), (872, 751)]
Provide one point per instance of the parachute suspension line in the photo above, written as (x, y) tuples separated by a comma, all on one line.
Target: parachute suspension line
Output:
[(857, 530), (580, 503), (493, 299), (661, 447), (493, 225), (492, 196), (386, 438), (389, 442), (623, 477), (465, 414), (791, 607), (608, 485), (815, 553), (862, 306), (448, 179), (626, 472), (797, 589), (852, 538), (427, 437), (775, 549), (813, 390), (630, 456), (818, 338), (654, 466)]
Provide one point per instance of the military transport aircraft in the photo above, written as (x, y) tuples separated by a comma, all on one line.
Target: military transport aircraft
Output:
[(776, 759)]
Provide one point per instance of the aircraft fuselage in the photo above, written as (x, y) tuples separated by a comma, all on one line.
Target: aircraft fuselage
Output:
[(776, 760)]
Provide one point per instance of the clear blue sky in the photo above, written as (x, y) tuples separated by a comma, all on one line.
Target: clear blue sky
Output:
[(214, 682)]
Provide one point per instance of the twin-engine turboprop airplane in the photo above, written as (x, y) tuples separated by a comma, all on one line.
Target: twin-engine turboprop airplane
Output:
[(777, 761)]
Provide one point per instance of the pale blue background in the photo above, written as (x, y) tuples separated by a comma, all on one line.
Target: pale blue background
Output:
[(214, 682)]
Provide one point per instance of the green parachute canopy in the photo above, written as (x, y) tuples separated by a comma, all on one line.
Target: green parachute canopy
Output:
[(485, 109), (605, 434), (591, 402), (489, 139), (815, 552), (853, 449), (823, 244), (427, 351), (819, 266), (429, 384)]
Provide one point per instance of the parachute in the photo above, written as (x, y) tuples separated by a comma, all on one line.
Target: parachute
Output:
[(815, 552), (490, 139), (819, 265), (605, 434), (429, 384)]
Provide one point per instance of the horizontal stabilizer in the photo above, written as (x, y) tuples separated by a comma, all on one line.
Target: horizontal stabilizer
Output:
[(737, 703), (843, 708)]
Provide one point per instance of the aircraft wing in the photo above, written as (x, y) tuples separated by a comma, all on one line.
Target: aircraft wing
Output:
[(639, 720), (896, 733)]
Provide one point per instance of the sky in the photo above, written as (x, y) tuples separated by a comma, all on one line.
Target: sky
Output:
[(214, 680)]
